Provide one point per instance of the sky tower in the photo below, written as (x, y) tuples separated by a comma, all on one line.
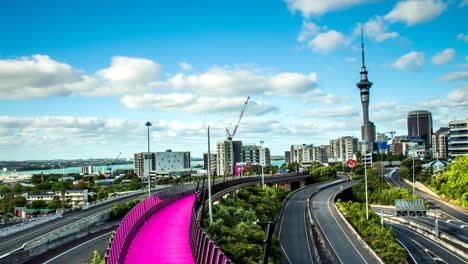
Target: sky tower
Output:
[(368, 128)]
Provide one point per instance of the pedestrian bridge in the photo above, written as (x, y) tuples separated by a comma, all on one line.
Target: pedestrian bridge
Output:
[(165, 227)]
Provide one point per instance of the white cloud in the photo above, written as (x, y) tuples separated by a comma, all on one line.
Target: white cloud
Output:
[(308, 31), (328, 41), (229, 82), (322, 39), (454, 76), (414, 12), (443, 56), (412, 61), (127, 75), (185, 66), (317, 7), (463, 37), (335, 112), (195, 104), (39, 76), (377, 29), (466, 58), (457, 98), (463, 3)]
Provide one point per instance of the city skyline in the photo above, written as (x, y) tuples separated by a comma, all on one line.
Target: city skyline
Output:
[(80, 80)]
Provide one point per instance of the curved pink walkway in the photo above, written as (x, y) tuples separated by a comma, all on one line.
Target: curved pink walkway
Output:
[(164, 238)]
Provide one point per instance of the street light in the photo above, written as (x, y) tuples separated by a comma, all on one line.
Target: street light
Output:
[(263, 174), (148, 124), (365, 177), (413, 148), (269, 234)]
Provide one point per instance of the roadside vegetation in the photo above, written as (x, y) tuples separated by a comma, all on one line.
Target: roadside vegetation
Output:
[(121, 209), (379, 191), (320, 173), (233, 229), (451, 184), (382, 240)]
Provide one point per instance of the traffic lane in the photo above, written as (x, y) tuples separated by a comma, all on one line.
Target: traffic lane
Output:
[(293, 234), (434, 250), (416, 252), (78, 251), (340, 240), (450, 229), (16, 241), (433, 202)]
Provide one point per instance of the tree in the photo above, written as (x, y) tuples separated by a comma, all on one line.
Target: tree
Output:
[(38, 204), (102, 193), (55, 203)]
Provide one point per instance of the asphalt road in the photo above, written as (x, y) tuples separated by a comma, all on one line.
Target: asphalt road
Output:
[(76, 252), (16, 241), (460, 216), (293, 233), (343, 243), (448, 228), (423, 250)]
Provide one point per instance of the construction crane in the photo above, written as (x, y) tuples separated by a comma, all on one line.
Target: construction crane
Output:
[(229, 135), (109, 167)]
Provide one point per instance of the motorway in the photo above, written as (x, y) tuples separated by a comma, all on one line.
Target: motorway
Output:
[(17, 240), (343, 243), (458, 215), (293, 232), (448, 228), (423, 250), (78, 251)]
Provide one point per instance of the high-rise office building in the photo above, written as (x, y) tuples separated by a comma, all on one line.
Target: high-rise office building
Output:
[(420, 125), (229, 152), (172, 161), (302, 153), (287, 157), (320, 154), (458, 138), (364, 85), (256, 155), (213, 162), (343, 149), (144, 163), (440, 143)]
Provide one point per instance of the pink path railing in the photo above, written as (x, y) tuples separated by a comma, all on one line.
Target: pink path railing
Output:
[(139, 214)]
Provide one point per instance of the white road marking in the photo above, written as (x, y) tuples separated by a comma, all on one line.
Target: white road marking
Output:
[(82, 244)]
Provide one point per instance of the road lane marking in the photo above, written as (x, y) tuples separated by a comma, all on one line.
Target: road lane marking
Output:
[(281, 226), (82, 244), (437, 245), (323, 232), (407, 250), (329, 201)]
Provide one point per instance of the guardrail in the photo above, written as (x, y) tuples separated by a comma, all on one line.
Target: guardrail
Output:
[(10, 230), (139, 214), (204, 250)]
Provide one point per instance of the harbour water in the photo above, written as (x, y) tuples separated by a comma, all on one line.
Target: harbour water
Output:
[(96, 169)]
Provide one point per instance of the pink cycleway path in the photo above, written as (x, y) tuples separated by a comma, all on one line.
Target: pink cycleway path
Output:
[(164, 238)]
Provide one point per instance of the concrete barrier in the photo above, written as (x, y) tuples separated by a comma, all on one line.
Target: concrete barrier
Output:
[(350, 227), (8, 231), (427, 232), (59, 237)]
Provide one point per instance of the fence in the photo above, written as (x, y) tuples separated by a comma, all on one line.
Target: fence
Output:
[(204, 250), (139, 214)]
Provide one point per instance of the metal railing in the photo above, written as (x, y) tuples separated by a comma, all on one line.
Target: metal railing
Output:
[(204, 250), (138, 215)]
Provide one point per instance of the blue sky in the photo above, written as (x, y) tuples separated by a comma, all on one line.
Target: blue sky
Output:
[(79, 80)]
